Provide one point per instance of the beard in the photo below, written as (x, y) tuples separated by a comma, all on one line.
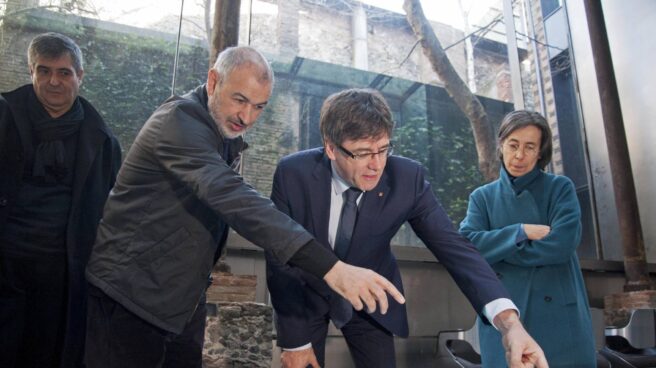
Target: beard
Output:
[(221, 122)]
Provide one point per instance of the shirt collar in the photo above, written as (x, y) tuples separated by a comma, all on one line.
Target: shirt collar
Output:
[(339, 185)]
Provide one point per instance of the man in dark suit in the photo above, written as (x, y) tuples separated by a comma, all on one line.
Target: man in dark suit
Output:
[(353, 196)]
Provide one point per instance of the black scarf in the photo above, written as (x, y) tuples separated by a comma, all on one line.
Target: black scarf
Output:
[(49, 133)]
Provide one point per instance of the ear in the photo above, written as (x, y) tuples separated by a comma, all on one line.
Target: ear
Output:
[(213, 80), (80, 77), (330, 150)]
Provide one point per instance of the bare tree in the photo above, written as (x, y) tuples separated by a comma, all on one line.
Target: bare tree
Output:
[(488, 162), (225, 32)]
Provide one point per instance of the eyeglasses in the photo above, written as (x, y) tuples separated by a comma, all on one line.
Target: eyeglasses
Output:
[(513, 148), (385, 152)]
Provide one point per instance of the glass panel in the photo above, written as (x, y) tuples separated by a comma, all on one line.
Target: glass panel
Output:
[(318, 47), (312, 48), (128, 46)]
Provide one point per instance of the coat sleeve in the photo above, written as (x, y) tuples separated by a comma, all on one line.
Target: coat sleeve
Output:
[(495, 245), (286, 286), (560, 244), (186, 148), (470, 271)]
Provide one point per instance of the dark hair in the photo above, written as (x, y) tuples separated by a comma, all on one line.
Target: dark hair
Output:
[(237, 56), (354, 114), (53, 45), (520, 119)]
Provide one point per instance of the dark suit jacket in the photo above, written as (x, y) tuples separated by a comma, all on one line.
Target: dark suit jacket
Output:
[(301, 188)]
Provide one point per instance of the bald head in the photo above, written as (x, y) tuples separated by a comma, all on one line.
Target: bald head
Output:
[(241, 56)]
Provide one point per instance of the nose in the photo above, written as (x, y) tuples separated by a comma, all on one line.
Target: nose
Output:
[(248, 114), (54, 79), (519, 154), (377, 161)]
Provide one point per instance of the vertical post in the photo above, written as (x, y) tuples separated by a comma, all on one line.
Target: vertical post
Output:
[(359, 32), (225, 31), (635, 262), (538, 67), (513, 55)]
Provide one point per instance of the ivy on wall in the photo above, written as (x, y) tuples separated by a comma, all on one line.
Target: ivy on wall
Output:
[(127, 72)]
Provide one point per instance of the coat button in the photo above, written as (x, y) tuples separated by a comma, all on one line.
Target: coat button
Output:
[(500, 276), (547, 298), (3, 202)]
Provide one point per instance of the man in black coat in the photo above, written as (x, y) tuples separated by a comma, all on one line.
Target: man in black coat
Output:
[(58, 162), (176, 194)]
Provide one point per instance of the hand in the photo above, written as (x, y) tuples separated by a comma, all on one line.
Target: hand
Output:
[(536, 232), (299, 359), (357, 285), (521, 350)]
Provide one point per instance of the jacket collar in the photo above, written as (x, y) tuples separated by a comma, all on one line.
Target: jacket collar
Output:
[(320, 203), (518, 184), (93, 132)]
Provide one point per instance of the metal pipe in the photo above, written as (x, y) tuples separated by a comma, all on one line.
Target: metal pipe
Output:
[(635, 262), (177, 50), (513, 55), (538, 67), (359, 33)]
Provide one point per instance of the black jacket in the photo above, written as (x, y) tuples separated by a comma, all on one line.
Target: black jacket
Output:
[(98, 160), (166, 217)]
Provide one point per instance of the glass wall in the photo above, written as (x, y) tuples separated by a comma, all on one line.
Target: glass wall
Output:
[(317, 47)]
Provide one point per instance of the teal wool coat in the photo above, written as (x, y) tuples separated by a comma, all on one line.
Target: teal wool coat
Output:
[(543, 276)]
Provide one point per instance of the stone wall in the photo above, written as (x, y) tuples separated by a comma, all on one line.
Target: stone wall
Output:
[(238, 335)]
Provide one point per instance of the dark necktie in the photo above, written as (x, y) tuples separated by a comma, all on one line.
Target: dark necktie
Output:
[(346, 222)]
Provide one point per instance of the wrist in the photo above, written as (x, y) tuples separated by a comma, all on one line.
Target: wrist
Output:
[(334, 270), (506, 320)]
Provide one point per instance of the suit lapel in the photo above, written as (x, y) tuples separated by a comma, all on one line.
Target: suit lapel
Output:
[(319, 195), (90, 142)]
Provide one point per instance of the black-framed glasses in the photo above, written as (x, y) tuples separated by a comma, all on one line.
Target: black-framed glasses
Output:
[(385, 152)]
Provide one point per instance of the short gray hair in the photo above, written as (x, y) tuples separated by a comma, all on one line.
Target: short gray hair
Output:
[(237, 56), (53, 45)]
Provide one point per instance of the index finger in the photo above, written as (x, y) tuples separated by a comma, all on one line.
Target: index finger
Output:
[(515, 360), (542, 362), (391, 289)]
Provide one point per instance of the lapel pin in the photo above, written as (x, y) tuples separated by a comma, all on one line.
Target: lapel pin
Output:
[(380, 194)]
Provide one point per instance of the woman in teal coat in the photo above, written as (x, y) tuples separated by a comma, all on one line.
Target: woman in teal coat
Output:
[(527, 226)]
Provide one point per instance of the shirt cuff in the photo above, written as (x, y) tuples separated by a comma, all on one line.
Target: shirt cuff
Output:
[(497, 306), (306, 346), (521, 234)]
